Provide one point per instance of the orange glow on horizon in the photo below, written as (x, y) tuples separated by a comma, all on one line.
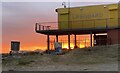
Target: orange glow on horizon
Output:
[(33, 48), (82, 41)]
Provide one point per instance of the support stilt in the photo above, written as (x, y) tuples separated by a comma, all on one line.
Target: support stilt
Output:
[(90, 39), (69, 40), (56, 38), (48, 42), (75, 42)]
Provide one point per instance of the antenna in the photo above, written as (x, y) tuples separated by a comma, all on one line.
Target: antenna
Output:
[(64, 4)]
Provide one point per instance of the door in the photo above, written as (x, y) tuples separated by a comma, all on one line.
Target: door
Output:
[(63, 21)]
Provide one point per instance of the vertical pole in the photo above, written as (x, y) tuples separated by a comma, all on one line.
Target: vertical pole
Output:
[(56, 38), (36, 26), (75, 41), (95, 40), (48, 42), (43, 27), (90, 39), (69, 40), (39, 27)]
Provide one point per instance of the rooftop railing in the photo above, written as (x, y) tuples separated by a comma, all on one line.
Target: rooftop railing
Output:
[(92, 23), (46, 26)]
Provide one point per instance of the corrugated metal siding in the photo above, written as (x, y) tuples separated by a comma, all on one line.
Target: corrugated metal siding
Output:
[(89, 17)]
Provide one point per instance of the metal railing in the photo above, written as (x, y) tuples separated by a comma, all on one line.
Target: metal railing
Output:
[(83, 24), (46, 26)]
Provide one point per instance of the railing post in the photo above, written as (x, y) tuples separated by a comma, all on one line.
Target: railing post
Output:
[(48, 27), (39, 27), (36, 26), (43, 27)]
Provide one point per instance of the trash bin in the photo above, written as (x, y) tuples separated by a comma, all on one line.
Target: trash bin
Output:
[(15, 45), (58, 47)]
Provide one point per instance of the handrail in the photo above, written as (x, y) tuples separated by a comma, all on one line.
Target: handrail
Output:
[(39, 27), (52, 26)]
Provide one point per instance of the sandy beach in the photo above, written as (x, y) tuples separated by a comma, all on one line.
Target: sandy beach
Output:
[(104, 58)]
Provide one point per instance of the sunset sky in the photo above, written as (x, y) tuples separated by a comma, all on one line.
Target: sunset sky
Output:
[(19, 18)]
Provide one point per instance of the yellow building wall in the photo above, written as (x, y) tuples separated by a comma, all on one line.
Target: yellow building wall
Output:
[(63, 18), (113, 11), (119, 14), (98, 16)]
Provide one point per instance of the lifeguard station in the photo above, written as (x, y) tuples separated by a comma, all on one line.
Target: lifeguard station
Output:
[(85, 20)]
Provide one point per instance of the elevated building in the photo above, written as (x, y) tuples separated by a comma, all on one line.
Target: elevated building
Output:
[(86, 20)]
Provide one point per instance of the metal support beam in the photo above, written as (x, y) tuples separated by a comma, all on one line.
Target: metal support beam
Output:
[(75, 42), (56, 38), (95, 39), (48, 42), (90, 39), (69, 40)]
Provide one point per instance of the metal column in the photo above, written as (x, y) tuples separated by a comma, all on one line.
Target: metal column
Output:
[(90, 39), (48, 42), (95, 39), (75, 41), (69, 40), (56, 38)]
